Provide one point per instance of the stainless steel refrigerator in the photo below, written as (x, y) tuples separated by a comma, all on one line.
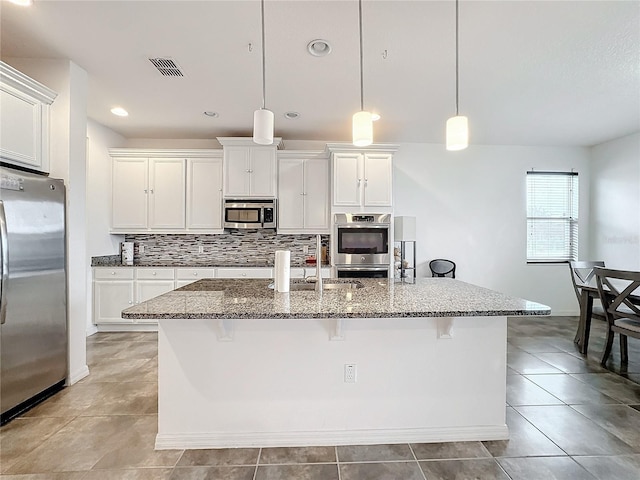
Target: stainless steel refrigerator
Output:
[(33, 310)]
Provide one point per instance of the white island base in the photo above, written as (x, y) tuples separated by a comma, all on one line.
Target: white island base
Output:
[(281, 382)]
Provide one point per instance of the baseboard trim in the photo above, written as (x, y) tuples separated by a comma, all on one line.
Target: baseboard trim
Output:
[(340, 437), (91, 330), (78, 375), (136, 327)]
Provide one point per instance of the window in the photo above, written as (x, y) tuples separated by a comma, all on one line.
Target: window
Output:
[(552, 216)]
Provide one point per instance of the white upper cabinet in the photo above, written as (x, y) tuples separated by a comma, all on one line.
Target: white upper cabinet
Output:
[(167, 188), (250, 170), (362, 178), (129, 194), (153, 191), (303, 192), (24, 120), (204, 194)]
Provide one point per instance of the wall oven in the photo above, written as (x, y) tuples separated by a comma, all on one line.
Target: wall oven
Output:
[(362, 244), (251, 213)]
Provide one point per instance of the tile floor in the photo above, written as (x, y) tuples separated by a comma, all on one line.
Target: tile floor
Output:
[(568, 417)]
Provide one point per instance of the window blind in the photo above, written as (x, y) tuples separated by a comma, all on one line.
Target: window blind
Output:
[(552, 216)]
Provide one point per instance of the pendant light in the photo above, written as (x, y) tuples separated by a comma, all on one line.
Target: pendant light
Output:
[(362, 120), (263, 118), (458, 126)]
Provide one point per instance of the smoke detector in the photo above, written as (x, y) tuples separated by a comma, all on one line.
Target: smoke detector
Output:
[(167, 67)]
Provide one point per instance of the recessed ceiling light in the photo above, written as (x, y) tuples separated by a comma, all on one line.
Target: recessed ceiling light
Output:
[(292, 115), (22, 3), (211, 114), (119, 111), (375, 117), (319, 48)]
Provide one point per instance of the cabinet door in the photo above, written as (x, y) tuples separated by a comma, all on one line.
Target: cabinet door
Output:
[(167, 180), (378, 179), (347, 180), (236, 171), (21, 129), (129, 192), (291, 194), (148, 289), (204, 193), (316, 194), (110, 298), (263, 172)]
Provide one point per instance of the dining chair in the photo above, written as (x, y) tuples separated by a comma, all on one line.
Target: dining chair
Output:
[(619, 292), (441, 267), (582, 274)]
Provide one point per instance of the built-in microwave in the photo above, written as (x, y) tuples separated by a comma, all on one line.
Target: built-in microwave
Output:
[(250, 213)]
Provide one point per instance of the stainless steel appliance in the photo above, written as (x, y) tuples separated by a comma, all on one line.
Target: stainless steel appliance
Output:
[(33, 310), (251, 213), (362, 244)]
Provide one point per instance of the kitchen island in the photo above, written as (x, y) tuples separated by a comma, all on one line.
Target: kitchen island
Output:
[(241, 365)]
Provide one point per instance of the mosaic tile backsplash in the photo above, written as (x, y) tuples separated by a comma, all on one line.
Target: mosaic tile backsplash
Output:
[(236, 247)]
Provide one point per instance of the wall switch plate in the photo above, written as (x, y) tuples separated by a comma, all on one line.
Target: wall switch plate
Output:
[(200, 249), (350, 373), (141, 248), (305, 249)]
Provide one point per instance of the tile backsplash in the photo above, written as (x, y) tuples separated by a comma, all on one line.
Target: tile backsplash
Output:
[(236, 247)]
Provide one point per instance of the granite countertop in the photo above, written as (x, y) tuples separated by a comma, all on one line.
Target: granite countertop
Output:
[(379, 298), (112, 261)]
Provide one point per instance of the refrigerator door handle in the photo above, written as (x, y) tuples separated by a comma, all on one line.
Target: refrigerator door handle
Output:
[(4, 255)]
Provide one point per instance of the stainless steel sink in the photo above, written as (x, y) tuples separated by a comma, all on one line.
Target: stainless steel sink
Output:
[(309, 286)]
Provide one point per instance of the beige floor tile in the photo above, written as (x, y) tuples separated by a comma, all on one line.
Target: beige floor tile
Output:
[(134, 447), (23, 435), (77, 446)]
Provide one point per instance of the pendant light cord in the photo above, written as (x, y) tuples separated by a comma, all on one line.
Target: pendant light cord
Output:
[(457, 73), (361, 75), (264, 90)]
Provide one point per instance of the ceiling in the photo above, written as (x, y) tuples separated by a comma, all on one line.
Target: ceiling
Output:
[(531, 72)]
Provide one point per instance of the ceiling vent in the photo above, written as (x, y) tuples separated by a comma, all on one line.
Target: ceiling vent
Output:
[(167, 67)]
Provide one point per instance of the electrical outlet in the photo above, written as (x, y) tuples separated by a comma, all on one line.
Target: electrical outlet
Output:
[(350, 373), (141, 248), (305, 249), (200, 249)]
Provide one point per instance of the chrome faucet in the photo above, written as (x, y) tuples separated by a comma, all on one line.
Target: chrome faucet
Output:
[(318, 264)]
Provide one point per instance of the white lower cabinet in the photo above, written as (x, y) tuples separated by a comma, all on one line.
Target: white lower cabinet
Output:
[(244, 272), (304, 272), (185, 276), (113, 291)]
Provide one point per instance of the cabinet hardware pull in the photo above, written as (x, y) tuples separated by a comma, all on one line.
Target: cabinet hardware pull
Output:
[(145, 191), (152, 190)]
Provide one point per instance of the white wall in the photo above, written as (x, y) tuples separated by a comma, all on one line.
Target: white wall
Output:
[(470, 207), (68, 161), (98, 212), (615, 203)]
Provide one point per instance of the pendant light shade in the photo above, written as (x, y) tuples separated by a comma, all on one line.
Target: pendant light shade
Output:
[(458, 126), (263, 126), (457, 133), (362, 129), (362, 120), (263, 118)]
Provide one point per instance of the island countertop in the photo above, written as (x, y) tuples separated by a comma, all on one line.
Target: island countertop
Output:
[(378, 298)]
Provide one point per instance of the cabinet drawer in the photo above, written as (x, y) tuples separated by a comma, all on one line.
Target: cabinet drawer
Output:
[(113, 273), (155, 273), (244, 273), (194, 273)]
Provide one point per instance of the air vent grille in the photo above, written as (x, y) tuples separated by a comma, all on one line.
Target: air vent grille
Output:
[(167, 67)]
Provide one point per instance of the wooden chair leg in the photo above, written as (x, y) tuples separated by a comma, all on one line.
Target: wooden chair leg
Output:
[(624, 352), (607, 348)]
